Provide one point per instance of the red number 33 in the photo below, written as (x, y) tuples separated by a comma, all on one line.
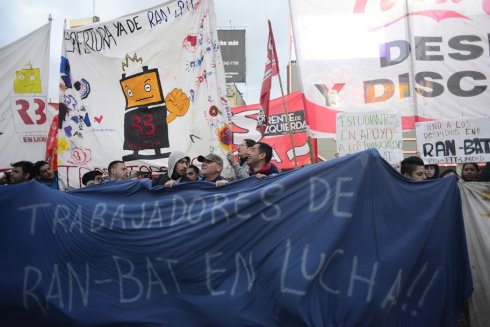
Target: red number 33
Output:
[(145, 129)]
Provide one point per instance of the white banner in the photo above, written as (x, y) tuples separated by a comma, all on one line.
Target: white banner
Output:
[(476, 212), (24, 115), (425, 59), (140, 87), (454, 141), (380, 130)]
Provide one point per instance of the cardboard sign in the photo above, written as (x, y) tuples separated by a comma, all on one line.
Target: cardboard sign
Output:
[(454, 141), (379, 130)]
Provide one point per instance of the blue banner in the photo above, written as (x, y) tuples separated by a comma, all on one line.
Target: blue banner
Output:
[(340, 243)]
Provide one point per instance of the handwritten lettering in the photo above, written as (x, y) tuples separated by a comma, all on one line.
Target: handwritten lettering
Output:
[(320, 186), (68, 286), (158, 16), (90, 40), (129, 25), (454, 141)]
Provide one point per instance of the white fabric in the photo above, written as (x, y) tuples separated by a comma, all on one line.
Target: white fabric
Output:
[(476, 211), (179, 40), (381, 130), (339, 42), (454, 141), (24, 115)]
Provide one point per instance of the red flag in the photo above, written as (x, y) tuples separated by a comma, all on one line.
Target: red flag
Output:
[(271, 69)]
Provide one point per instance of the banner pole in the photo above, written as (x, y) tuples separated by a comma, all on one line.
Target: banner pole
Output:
[(310, 144), (309, 139), (287, 120)]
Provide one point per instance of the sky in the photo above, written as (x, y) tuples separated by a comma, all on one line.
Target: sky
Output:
[(20, 17)]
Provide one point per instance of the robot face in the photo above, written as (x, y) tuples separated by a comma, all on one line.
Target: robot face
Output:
[(142, 89), (27, 81)]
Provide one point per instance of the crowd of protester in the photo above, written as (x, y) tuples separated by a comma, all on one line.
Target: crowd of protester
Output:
[(414, 168), (252, 159)]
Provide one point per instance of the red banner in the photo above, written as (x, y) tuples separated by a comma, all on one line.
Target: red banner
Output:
[(277, 129)]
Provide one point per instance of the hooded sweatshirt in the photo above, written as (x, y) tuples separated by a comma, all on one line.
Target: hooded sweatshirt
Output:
[(174, 157)]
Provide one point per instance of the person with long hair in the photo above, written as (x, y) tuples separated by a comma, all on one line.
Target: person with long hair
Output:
[(469, 171), (432, 171)]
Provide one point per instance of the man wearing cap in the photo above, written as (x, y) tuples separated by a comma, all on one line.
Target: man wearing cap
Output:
[(177, 168), (211, 168)]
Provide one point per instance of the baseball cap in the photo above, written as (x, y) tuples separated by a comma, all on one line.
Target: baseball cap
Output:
[(211, 157)]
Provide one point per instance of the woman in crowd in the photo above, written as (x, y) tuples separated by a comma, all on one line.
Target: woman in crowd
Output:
[(432, 171), (469, 172)]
